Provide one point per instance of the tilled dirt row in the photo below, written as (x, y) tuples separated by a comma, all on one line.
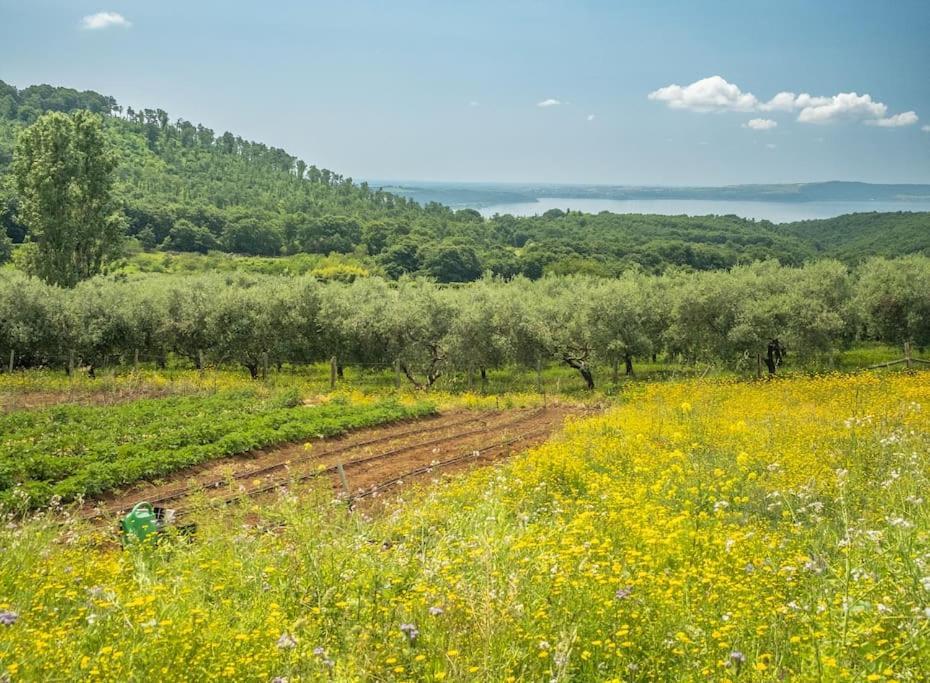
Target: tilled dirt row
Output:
[(373, 460)]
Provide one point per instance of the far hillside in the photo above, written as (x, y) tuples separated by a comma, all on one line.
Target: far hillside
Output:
[(187, 188)]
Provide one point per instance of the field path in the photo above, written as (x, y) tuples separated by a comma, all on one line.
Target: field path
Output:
[(374, 460)]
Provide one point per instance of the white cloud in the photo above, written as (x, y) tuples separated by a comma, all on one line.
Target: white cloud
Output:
[(925, 129), (770, 145), (101, 20), (707, 94), (846, 105), (761, 124), (716, 94), (548, 103), (783, 101), (788, 101), (591, 117), (907, 118)]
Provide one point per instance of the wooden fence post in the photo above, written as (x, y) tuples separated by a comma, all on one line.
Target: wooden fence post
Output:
[(264, 365), (397, 373), (539, 380), (135, 360), (200, 359), (342, 478), (71, 363), (12, 360), (332, 372), (907, 354)]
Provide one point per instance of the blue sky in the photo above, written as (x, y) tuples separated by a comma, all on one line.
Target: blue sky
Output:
[(452, 90)]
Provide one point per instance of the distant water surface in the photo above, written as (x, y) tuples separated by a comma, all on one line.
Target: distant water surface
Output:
[(777, 212)]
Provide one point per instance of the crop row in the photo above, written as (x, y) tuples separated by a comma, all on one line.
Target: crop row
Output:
[(69, 451)]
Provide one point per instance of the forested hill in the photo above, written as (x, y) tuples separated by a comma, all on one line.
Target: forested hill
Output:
[(185, 187)]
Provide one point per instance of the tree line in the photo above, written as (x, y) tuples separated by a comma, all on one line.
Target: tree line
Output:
[(761, 313), (183, 187)]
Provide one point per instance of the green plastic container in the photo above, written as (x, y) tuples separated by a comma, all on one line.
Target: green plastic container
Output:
[(140, 523)]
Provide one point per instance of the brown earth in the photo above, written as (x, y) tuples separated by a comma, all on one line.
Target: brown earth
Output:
[(374, 461), (28, 400)]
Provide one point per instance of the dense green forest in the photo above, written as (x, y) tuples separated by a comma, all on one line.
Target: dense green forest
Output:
[(186, 188)]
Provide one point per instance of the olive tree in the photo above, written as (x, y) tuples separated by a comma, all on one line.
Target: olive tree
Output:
[(893, 298)]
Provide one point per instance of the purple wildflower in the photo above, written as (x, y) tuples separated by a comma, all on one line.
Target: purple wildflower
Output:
[(286, 641), (436, 611), (623, 593), (8, 618), (410, 630), (738, 658)]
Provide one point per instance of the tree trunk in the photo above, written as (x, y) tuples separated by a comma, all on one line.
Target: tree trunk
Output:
[(628, 360), (582, 367), (413, 380), (253, 369), (770, 364), (774, 356)]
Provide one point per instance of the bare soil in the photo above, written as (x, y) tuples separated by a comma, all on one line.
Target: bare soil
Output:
[(375, 461)]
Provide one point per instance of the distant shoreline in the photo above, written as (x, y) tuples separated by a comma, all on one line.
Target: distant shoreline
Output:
[(481, 195)]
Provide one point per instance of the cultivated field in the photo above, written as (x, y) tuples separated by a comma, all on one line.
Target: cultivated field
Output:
[(695, 529)]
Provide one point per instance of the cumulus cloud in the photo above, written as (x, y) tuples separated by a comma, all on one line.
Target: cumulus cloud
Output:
[(101, 20), (707, 94), (907, 118), (846, 105), (548, 103), (760, 124), (716, 94), (783, 101)]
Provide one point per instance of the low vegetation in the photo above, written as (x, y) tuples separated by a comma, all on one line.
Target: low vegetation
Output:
[(68, 451), (736, 531)]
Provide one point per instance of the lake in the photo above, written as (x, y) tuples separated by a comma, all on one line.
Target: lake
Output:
[(777, 212)]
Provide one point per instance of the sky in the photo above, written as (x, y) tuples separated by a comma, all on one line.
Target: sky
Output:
[(607, 92)]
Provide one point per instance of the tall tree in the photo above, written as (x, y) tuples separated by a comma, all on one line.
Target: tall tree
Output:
[(64, 174)]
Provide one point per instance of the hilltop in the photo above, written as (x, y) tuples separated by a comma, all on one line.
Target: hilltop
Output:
[(186, 188)]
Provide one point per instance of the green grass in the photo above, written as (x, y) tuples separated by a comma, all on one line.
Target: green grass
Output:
[(122, 381), (75, 450), (334, 266)]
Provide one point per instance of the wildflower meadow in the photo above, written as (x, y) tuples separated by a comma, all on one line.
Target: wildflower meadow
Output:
[(699, 530)]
